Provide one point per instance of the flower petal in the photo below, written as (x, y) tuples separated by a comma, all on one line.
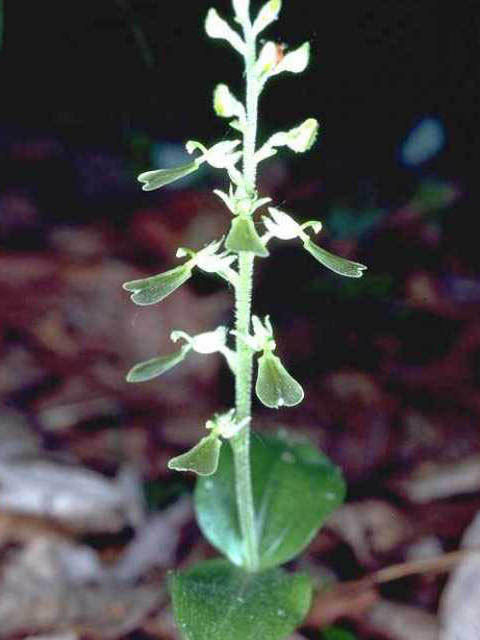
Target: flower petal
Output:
[(275, 387), (244, 237), (156, 366), (339, 265), (161, 177), (156, 288), (202, 459), (295, 61)]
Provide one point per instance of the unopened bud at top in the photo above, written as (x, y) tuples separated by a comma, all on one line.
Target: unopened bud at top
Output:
[(242, 9), (295, 61), (217, 27), (267, 14), (226, 105)]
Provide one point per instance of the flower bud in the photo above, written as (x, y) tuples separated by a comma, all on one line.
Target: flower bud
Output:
[(242, 9), (295, 61), (302, 138), (216, 27), (225, 424), (225, 104), (266, 60), (267, 14)]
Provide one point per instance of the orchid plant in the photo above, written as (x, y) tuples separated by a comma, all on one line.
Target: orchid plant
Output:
[(258, 502)]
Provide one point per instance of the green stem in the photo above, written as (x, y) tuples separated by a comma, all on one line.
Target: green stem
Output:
[(243, 304)]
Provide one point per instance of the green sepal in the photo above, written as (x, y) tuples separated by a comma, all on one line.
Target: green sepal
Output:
[(275, 387), (339, 265), (156, 288), (150, 369), (244, 237), (159, 178), (295, 489), (202, 459), (218, 601)]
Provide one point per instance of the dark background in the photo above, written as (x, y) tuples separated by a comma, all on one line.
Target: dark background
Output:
[(92, 72), (94, 92)]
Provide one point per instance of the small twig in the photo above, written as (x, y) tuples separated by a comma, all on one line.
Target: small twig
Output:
[(430, 565), (356, 597)]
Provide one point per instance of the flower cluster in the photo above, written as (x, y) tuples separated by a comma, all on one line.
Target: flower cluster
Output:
[(274, 386)]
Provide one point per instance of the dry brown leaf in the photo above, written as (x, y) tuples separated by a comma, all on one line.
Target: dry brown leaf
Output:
[(436, 481), (155, 543), (76, 496), (57, 586), (371, 528), (460, 604), (340, 601), (402, 622)]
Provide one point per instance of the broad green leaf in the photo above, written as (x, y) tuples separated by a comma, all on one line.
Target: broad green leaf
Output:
[(156, 366), (244, 237), (275, 387), (339, 265), (335, 633), (295, 489), (201, 459), (156, 288), (161, 177), (218, 601)]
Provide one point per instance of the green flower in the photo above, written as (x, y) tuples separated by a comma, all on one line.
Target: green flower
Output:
[(202, 459), (281, 225), (275, 387), (244, 237)]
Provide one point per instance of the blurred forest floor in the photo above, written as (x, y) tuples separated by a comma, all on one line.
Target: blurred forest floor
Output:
[(90, 519)]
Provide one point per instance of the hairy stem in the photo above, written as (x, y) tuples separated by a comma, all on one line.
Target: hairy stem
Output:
[(243, 303)]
